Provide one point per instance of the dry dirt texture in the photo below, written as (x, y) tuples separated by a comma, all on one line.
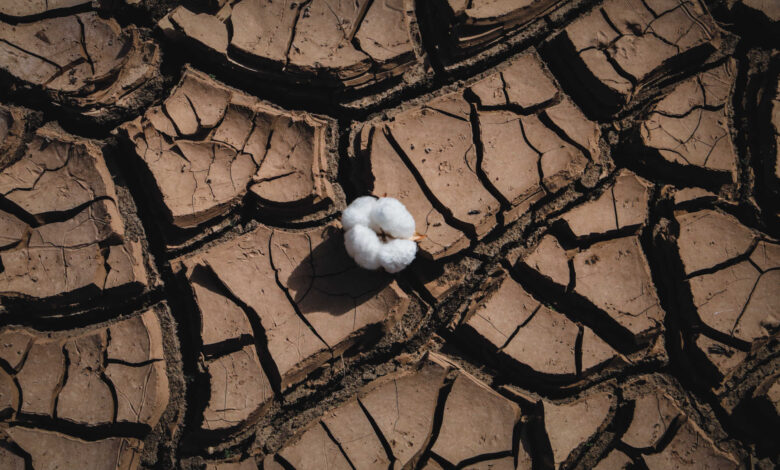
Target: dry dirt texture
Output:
[(598, 183)]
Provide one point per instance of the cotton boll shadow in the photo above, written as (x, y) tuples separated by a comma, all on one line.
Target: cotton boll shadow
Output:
[(328, 280)]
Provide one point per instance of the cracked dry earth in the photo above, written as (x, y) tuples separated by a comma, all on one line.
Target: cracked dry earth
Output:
[(598, 183)]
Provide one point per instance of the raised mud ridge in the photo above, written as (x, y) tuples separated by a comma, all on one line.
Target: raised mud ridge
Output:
[(596, 183)]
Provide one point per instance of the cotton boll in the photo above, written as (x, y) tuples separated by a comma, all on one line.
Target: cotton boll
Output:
[(363, 245), (358, 213), (378, 232), (390, 216), (397, 254)]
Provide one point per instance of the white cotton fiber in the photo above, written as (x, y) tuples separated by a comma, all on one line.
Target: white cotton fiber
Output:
[(390, 216), (397, 254), (358, 212), (379, 232), (363, 246)]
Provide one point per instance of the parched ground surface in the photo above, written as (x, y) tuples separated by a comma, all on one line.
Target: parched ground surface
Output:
[(598, 184)]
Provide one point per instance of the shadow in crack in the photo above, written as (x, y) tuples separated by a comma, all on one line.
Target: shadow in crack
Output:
[(328, 280)]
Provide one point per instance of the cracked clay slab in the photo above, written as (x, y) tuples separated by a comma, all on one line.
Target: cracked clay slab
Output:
[(100, 69), (571, 425), (104, 376), (610, 53), (691, 446), (324, 44), (622, 205), (732, 273), (208, 146), (689, 127), (50, 450), (62, 233), (470, 27), (84, 398)]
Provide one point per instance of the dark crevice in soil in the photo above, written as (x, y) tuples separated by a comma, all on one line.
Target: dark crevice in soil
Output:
[(228, 346), (480, 149), (346, 177), (289, 296), (757, 79), (650, 164), (429, 39), (338, 444), (438, 418), (52, 13), (13, 448), (438, 205), (587, 313), (64, 312), (380, 436), (80, 431), (258, 331)]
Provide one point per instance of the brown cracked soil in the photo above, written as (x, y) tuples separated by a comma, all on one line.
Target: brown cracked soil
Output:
[(597, 183)]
